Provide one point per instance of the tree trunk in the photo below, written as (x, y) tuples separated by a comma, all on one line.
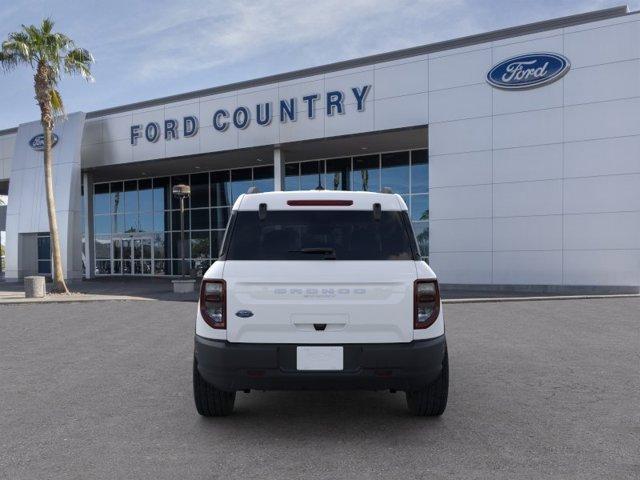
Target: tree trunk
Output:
[(59, 285), (43, 96)]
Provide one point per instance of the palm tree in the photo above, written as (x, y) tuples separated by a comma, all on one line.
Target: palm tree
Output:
[(49, 54)]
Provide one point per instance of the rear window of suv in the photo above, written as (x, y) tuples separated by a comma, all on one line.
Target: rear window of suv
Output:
[(319, 235)]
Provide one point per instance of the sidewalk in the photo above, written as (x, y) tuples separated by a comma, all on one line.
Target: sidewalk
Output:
[(103, 289)]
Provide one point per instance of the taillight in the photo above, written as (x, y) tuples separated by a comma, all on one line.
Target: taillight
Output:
[(213, 296), (426, 303)]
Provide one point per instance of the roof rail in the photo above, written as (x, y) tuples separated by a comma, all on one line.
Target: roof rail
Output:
[(253, 189), (386, 190)]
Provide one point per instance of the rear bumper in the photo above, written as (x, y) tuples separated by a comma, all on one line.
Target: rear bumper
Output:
[(244, 366)]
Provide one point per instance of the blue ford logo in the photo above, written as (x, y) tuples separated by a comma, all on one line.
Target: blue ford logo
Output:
[(528, 71), (244, 313), (37, 142)]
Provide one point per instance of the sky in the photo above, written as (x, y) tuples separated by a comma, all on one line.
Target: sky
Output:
[(148, 49)]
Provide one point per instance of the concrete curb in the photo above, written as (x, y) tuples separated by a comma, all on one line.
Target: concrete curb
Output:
[(71, 299), (537, 299)]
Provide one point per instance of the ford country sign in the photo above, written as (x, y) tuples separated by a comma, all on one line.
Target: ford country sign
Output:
[(37, 142), (528, 71)]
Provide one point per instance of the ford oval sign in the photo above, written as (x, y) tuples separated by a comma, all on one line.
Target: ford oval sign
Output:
[(528, 71), (37, 142)]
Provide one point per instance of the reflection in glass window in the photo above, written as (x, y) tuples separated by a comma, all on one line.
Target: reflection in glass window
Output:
[(176, 221), (117, 197), (200, 245), (220, 188), (421, 229), (419, 171), (130, 222), (161, 221), (395, 171), (131, 196), (145, 195), (117, 223), (103, 247), (200, 219), (240, 182), (101, 198), (200, 190), (102, 224), (159, 245), (420, 207), (292, 176), (161, 194), (219, 217), (311, 174), (216, 242), (339, 174), (103, 267), (146, 222), (263, 178), (366, 173)]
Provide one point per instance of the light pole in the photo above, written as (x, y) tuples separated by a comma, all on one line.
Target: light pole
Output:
[(182, 192)]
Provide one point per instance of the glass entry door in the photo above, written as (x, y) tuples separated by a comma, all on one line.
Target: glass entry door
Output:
[(132, 255)]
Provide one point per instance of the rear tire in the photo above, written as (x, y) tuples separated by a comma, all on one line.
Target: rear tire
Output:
[(211, 402), (432, 401)]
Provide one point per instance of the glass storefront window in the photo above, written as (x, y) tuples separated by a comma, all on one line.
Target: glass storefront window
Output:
[(130, 222), (101, 198), (395, 172), (263, 178), (292, 176), (200, 219), (366, 173), (216, 242), (419, 171), (240, 182), (421, 229), (220, 188), (145, 222), (339, 174), (103, 247), (102, 224), (117, 192), (420, 207), (145, 195), (200, 245), (143, 212), (131, 196), (200, 190), (312, 174), (219, 217), (161, 194), (175, 220)]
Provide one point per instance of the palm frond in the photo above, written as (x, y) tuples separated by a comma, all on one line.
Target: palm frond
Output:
[(56, 102), (78, 61)]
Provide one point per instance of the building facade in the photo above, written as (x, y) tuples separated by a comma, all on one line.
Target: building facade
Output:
[(517, 152)]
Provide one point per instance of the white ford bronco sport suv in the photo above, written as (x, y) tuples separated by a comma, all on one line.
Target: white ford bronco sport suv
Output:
[(320, 290)]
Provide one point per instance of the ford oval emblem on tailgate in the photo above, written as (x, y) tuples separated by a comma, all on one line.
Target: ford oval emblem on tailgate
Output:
[(244, 313)]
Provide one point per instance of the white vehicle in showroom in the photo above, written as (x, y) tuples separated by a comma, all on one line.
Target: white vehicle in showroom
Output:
[(317, 290)]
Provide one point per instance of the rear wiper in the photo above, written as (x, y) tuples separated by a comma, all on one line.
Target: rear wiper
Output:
[(330, 253)]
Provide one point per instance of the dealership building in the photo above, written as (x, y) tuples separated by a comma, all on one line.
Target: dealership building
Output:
[(517, 152)]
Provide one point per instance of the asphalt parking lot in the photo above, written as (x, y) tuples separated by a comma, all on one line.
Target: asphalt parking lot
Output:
[(546, 389)]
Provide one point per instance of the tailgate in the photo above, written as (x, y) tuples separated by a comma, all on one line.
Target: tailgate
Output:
[(320, 302)]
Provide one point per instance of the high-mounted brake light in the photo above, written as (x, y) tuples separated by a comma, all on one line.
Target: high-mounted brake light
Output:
[(426, 303), (319, 203), (213, 299)]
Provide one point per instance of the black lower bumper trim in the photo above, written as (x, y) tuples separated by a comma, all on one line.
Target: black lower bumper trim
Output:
[(244, 366)]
